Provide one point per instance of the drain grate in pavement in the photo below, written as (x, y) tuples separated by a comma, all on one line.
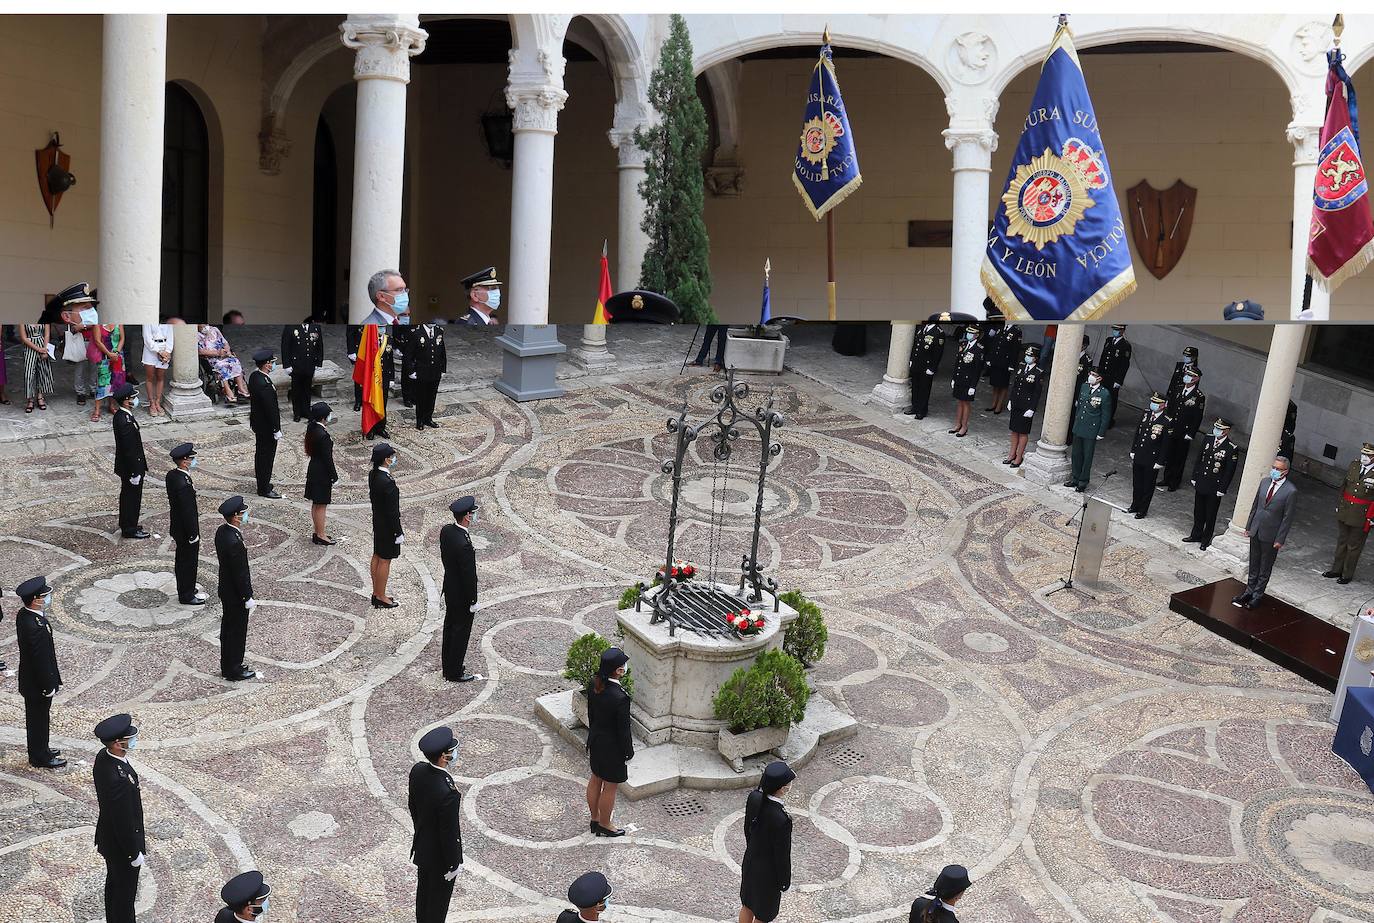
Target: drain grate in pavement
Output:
[(684, 807), (845, 757)]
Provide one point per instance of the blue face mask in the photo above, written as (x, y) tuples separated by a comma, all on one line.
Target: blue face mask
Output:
[(1156, 406), (244, 520), (133, 405), (131, 742), (195, 463), (493, 298), (1030, 360), (402, 303), (90, 317), (1216, 431), (1275, 474)]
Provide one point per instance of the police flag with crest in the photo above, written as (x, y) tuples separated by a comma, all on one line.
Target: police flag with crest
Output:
[(827, 165), (1059, 250)]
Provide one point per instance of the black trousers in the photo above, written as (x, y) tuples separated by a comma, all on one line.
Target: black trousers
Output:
[(1178, 457), (920, 391), (264, 457), (457, 632), (713, 331), (37, 723), (186, 564), (357, 396), (121, 887), (302, 379), (1142, 487), (1205, 506), (233, 637), (1116, 402), (426, 393), (408, 384), (432, 894), (130, 503)]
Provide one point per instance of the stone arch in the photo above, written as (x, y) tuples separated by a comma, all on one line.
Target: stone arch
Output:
[(214, 212), (626, 57)]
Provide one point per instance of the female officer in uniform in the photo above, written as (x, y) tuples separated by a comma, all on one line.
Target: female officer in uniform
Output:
[(1025, 397), (387, 536), (609, 744), (766, 870), (321, 474), (949, 886), (968, 368)]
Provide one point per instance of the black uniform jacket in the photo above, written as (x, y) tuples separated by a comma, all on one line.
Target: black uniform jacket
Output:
[(1216, 464), (608, 723), (129, 460), (767, 863), (181, 501), (302, 346), (38, 671), (1151, 443), (235, 584), (264, 415), (119, 829), (434, 806), (386, 505), (460, 566)]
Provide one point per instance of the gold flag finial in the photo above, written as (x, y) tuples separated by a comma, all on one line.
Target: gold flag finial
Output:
[(825, 35), (1337, 27), (1063, 19), (767, 267)]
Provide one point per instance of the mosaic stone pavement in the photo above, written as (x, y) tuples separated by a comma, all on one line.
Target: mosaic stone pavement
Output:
[(1089, 760)]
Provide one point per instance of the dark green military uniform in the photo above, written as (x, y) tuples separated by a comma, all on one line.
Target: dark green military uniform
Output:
[(1353, 512), (1091, 412)]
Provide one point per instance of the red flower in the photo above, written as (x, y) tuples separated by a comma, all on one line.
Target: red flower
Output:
[(758, 623)]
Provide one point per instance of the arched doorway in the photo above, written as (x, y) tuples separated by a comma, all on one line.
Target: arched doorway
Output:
[(324, 227), (185, 209)]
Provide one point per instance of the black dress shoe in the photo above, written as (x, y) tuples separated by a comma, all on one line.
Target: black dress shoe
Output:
[(593, 827), (382, 433), (383, 604), (920, 416), (466, 677), (1139, 515), (1187, 538), (960, 435), (1130, 509), (1070, 484), (138, 533), (1240, 600), (1254, 602), (1344, 580), (910, 412), (431, 424), (953, 431), (606, 831), (1016, 464), (1331, 573), (1079, 488), (295, 419), (319, 541), (52, 762), (270, 494)]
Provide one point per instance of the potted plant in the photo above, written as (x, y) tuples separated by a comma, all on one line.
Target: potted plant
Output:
[(758, 704), (805, 638), (583, 660)]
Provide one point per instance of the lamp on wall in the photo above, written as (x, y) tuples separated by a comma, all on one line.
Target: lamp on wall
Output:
[(499, 135)]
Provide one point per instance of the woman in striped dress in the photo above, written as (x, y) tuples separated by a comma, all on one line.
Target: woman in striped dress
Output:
[(37, 365)]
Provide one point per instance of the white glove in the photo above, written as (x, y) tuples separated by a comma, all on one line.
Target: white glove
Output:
[(397, 353), (138, 861), (277, 434), (930, 371), (1188, 438), (1159, 467), (1221, 493), (50, 693), (194, 540), (352, 357), (1132, 455), (453, 873), (136, 479), (1028, 414), (286, 370), (251, 603), (400, 539), (1194, 483), (971, 391), (414, 375)]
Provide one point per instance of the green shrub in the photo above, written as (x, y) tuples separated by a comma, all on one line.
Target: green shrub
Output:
[(805, 638), (771, 693), (584, 658), (631, 593)]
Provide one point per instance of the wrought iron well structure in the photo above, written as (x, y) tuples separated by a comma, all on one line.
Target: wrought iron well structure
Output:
[(701, 606)]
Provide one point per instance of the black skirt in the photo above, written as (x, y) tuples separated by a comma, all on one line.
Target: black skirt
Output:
[(385, 548), (999, 375), (1020, 423), (319, 481), (606, 763)]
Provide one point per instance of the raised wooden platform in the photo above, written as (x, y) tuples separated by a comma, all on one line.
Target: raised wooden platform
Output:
[(1278, 632)]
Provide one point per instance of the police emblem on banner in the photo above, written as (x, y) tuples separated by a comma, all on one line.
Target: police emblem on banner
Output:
[(1340, 174), (1047, 197)]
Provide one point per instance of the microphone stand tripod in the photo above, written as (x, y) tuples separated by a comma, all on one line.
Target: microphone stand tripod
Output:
[(1066, 582)]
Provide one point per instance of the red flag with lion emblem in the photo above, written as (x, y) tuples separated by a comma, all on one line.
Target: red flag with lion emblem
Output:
[(1341, 239)]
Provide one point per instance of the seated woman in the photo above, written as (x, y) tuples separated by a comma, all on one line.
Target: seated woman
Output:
[(214, 349)]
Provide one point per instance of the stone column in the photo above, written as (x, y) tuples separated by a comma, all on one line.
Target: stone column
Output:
[(1285, 348), (592, 353), (894, 391), (185, 397), (384, 45), (632, 242), (972, 148), (1050, 462), (133, 79), (1306, 144)]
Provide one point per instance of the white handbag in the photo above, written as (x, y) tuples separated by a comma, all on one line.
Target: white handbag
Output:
[(74, 350)]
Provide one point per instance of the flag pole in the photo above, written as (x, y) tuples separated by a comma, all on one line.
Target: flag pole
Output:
[(829, 218)]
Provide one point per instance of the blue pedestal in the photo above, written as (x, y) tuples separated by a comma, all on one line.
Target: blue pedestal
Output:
[(1354, 741)]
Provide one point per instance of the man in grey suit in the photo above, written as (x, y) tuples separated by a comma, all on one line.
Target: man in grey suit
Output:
[(1267, 529)]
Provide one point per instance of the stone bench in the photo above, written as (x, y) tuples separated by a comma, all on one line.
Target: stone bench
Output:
[(328, 379)]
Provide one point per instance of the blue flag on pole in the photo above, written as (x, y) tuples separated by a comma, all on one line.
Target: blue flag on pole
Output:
[(1059, 250), (766, 314), (827, 165)]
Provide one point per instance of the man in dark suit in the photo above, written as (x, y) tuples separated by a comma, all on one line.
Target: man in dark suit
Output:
[(428, 360), (302, 351), (235, 590), (437, 847), (119, 836), (484, 297), (1187, 408), (1176, 382), (39, 678), (1212, 474), (1148, 451), (926, 352), (588, 893), (244, 896), (1114, 363), (460, 588), (185, 524), (130, 463), (264, 418), (1267, 528)]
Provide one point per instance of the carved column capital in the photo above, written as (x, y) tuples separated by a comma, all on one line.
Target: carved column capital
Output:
[(1305, 140), (972, 147), (536, 107), (383, 47)]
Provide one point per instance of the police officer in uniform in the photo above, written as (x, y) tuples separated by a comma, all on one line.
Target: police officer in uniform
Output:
[(1004, 359), (437, 847), (766, 870), (185, 524), (1114, 363), (926, 352), (1085, 365), (1176, 382), (484, 297), (1187, 410), (949, 886), (1212, 473), (1289, 437), (1148, 451), (119, 828), (302, 351), (130, 463), (1091, 411), (428, 362), (39, 678), (460, 587), (1026, 386), (264, 418), (245, 898), (235, 590), (1354, 511), (590, 894), (403, 334), (968, 368)]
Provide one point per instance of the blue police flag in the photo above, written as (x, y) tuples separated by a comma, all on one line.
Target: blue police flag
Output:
[(827, 165), (1058, 249)]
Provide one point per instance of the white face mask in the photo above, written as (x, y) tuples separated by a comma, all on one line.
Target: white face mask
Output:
[(1366, 460), (330, 419), (493, 298)]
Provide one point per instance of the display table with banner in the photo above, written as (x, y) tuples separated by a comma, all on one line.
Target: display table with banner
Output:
[(1354, 741)]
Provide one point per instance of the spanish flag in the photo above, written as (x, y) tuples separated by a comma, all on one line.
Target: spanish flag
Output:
[(602, 316), (367, 374)]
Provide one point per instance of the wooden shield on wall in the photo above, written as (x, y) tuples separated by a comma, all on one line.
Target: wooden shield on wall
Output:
[(1160, 222), (46, 159)]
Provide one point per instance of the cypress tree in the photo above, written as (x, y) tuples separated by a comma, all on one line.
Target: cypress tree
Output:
[(678, 261)]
